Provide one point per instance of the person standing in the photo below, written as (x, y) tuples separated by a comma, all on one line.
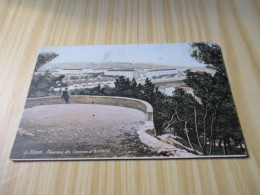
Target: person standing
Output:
[(65, 95)]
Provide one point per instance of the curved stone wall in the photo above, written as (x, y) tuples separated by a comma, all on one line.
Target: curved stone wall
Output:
[(89, 99)]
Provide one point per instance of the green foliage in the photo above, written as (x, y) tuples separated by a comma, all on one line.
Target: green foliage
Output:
[(44, 58), (43, 84), (206, 116), (208, 53), (217, 118), (122, 86), (74, 77), (148, 91)]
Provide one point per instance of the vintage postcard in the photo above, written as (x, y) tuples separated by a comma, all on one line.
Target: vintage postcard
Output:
[(150, 101)]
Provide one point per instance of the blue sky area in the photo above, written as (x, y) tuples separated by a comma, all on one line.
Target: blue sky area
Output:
[(176, 54)]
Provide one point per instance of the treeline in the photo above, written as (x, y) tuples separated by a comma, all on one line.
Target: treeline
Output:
[(182, 112), (43, 84), (124, 87)]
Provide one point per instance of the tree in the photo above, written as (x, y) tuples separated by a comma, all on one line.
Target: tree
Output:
[(134, 89), (149, 91), (42, 84), (97, 90), (203, 85), (123, 87), (209, 114), (219, 114), (44, 58), (181, 114)]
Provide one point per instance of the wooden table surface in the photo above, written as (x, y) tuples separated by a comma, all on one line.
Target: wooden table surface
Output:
[(25, 26)]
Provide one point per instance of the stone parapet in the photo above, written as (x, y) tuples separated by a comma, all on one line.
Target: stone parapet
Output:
[(89, 99)]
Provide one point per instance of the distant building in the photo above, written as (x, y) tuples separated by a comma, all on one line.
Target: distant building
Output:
[(129, 73), (70, 71), (83, 84), (99, 70), (159, 72), (86, 70)]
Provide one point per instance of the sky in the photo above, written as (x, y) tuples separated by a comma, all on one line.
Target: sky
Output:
[(176, 54)]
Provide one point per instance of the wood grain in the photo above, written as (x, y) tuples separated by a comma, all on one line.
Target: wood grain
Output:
[(25, 26)]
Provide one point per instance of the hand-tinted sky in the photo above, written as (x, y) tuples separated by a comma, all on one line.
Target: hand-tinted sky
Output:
[(168, 54)]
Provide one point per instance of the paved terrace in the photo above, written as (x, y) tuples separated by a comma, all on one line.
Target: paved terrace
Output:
[(97, 130), (88, 127)]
